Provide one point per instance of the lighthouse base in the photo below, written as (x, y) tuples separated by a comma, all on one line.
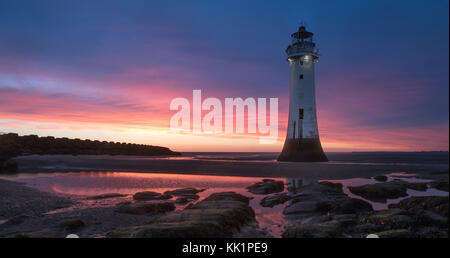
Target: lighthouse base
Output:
[(303, 150)]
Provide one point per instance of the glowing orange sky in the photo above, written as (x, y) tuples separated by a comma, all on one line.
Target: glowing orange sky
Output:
[(112, 77)]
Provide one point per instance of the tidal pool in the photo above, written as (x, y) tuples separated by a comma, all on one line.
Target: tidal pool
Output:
[(81, 185)]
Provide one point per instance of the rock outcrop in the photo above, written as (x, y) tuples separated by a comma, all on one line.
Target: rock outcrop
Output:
[(380, 192), (275, 199), (145, 208), (267, 186), (219, 215), (149, 196)]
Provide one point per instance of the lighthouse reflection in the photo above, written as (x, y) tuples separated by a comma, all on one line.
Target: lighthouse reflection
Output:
[(294, 184)]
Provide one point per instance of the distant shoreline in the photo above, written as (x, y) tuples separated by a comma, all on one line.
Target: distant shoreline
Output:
[(13, 145)]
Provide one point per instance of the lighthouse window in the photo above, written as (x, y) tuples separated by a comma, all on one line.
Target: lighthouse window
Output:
[(300, 113), (301, 76)]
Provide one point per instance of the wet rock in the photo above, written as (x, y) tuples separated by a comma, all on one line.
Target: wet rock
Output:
[(391, 219), (16, 220), (380, 178), (71, 224), (351, 206), (184, 191), (119, 234), (399, 233), (267, 186), (438, 204), (228, 209), (20, 235), (322, 230), (253, 230), (147, 208), (343, 205), (432, 232), (417, 186), (346, 220), (330, 187), (276, 199), (367, 228), (300, 207), (441, 184), (148, 196), (227, 196), (439, 172), (219, 215), (380, 192), (183, 199), (429, 218), (185, 229), (311, 218), (324, 197), (105, 196), (322, 191), (324, 206)]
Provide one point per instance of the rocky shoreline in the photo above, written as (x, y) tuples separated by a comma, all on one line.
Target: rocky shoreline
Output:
[(317, 210)]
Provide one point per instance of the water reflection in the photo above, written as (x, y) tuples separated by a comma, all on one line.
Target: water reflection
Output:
[(408, 177), (294, 184), (80, 185)]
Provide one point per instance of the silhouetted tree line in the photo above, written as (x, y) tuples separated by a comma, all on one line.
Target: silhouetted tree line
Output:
[(12, 145)]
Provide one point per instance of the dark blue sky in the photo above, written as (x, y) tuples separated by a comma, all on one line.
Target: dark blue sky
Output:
[(383, 69)]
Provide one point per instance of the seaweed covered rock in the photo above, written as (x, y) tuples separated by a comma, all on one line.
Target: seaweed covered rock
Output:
[(275, 199), (351, 206), (105, 196), (149, 196), (185, 229), (331, 187), (327, 229), (147, 208), (267, 186), (325, 197), (380, 192), (398, 233), (71, 224), (437, 204), (381, 178), (417, 186), (184, 191), (219, 215), (185, 198), (441, 184), (391, 219)]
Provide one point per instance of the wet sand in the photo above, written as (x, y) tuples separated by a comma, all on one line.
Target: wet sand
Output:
[(247, 168)]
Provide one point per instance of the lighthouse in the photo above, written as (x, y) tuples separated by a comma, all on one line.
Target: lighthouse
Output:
[(302, 141)]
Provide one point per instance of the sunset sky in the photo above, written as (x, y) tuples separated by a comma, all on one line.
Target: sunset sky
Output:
[(108, 70)]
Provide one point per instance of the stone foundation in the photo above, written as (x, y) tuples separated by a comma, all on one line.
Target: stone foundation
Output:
[(303, 150)]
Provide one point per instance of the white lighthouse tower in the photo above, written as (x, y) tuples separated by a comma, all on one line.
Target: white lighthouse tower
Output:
[(302, 140)]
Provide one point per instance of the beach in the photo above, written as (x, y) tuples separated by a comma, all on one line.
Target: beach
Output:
[(341, 165), (248, 193)]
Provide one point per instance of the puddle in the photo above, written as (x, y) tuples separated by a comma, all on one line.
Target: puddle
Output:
[(80, 185), (408, 177)]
